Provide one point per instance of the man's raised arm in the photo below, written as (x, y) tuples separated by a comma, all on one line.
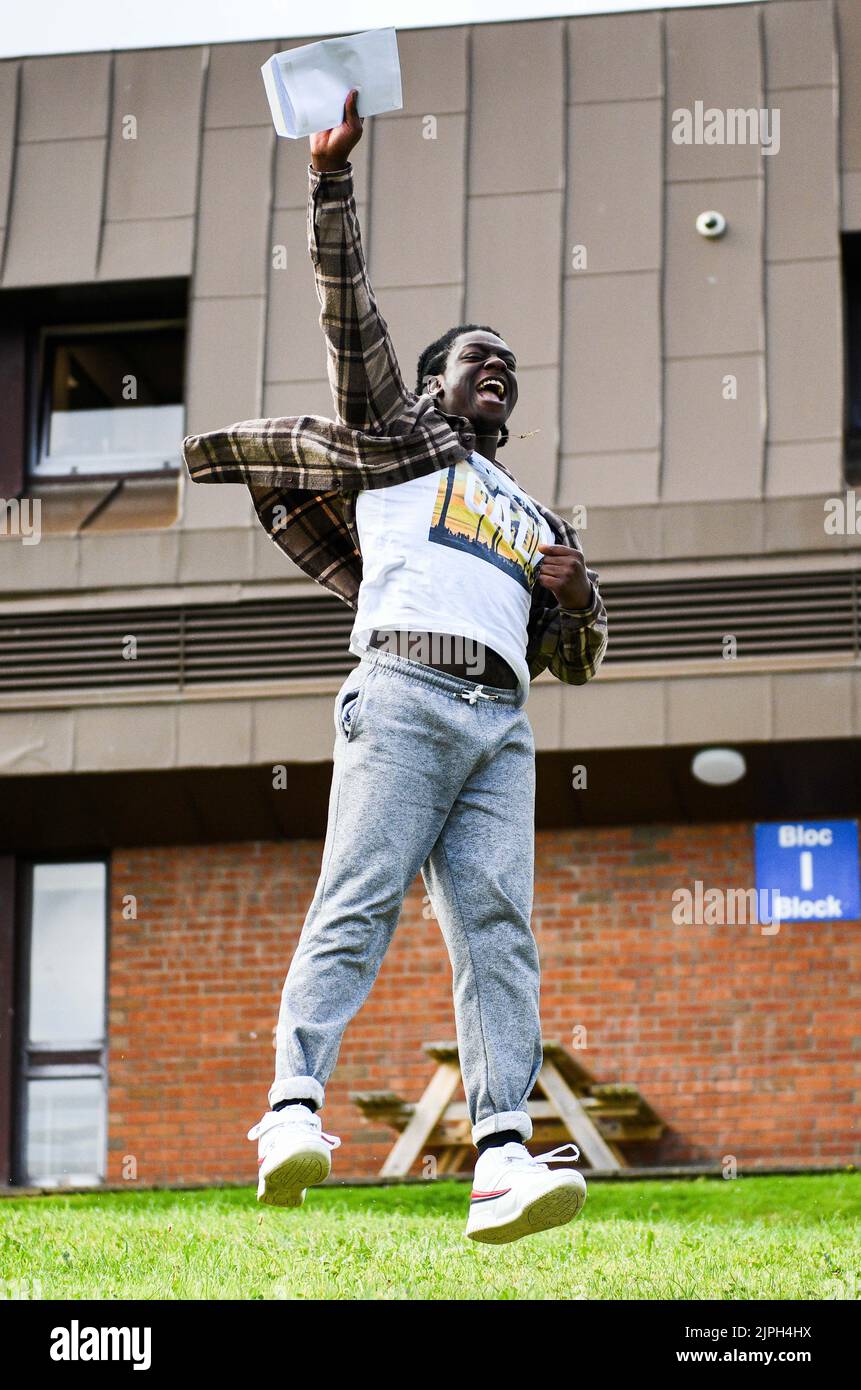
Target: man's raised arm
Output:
[(366, 382)]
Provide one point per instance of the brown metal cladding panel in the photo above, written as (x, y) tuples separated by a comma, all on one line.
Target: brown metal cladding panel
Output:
[(623, 534), (795, 523), (417, 203), (713, 288), (433, 70), (150, 556), (800, 48), (235, 94), (513, 272), (233, 229), (155, 175), (611, 364), (797, 695), (811, 466), (214, 734), (295, 346), (533, 460), (545, 714), (292, 158), (292, 398), (615, 186), (207, 509), (713, 56), (851, 200), (517, 106), (52, 565), (66, 507), (721, 528), (802, 180), (416, 317), (709, 709), (225, 362), (8, 90), (54, 230), (140, 504), (615, 714), (65, 98), (126, 736), (276, 731), (713, 446), (143, 250), (849, 58), (697, 530), (609, 480), (615, 57), (805, 350)]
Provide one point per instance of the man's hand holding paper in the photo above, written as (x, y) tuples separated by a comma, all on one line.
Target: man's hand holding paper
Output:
[(306, 86)]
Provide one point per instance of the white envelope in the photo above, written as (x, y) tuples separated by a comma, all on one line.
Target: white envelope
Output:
[(307, 86)]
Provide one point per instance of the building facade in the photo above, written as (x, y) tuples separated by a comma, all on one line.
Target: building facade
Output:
[(661, 213)]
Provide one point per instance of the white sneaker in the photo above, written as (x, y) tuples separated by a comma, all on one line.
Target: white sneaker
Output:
[(514, 1194), (293, 1154)]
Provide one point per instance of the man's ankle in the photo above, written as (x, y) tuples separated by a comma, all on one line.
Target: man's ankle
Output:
[(296, 1100), (495, 1141)]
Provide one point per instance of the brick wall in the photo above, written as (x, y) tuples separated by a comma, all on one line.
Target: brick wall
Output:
[(746, 1044)]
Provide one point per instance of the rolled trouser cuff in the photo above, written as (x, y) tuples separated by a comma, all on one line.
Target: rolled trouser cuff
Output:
[(508, 1119), (296, 1088)]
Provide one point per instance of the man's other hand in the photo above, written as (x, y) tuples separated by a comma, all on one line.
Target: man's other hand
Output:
[(563, 571), (330, 149)]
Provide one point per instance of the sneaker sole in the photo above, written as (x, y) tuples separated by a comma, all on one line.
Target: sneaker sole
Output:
[(284, 1185), (554, 1208)]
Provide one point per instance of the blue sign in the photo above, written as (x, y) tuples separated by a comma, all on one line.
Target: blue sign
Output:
[(809, 870)]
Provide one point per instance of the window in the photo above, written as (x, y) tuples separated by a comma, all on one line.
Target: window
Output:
[(92, 383), (111, 400), (63, 1107)]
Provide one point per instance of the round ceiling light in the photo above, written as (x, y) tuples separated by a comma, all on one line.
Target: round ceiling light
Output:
[(718, 767)]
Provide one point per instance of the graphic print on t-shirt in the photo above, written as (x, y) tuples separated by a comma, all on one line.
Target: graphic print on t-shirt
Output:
[(472, 512)]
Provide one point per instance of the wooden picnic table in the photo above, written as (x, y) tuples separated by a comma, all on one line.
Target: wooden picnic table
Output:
[(565, 1105)]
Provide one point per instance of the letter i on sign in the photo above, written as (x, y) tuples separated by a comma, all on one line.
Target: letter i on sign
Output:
[(806, 871)]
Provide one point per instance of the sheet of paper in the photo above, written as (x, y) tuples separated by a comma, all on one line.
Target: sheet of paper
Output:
[(307, 86)]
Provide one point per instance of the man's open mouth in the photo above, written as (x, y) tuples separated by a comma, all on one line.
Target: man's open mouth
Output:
[(492, 388)]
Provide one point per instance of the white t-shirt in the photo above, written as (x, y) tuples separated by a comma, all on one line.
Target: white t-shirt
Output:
[(455, 551)]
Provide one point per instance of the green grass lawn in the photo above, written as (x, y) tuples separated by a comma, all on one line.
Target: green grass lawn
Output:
[(751, 1238)]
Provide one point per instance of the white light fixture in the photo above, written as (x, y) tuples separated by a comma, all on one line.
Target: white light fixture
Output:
[(718, 767), (711, 224)]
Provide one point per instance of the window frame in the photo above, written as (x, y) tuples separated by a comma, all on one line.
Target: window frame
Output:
[(39, 396), (850, 274), (85, 1060)]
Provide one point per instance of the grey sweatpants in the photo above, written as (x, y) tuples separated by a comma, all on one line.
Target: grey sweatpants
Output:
[(424, 780)]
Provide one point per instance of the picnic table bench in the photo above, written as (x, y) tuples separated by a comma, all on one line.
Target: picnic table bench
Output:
[(566, 1104)]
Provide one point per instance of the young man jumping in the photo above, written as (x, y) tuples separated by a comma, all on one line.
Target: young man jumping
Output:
[(464, 588)]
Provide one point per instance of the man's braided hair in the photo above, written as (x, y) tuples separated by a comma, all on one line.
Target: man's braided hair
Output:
[(435, 356)]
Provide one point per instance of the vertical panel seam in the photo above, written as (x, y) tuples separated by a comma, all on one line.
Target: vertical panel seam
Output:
[(561, 264), (206, 55), (662, 265), (268, 252), (763, 252), (367, 231), (467, 156), (103, 206), (13, 166)]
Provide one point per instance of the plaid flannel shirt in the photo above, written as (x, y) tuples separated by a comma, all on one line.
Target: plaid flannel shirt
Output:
[(304, 471)]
